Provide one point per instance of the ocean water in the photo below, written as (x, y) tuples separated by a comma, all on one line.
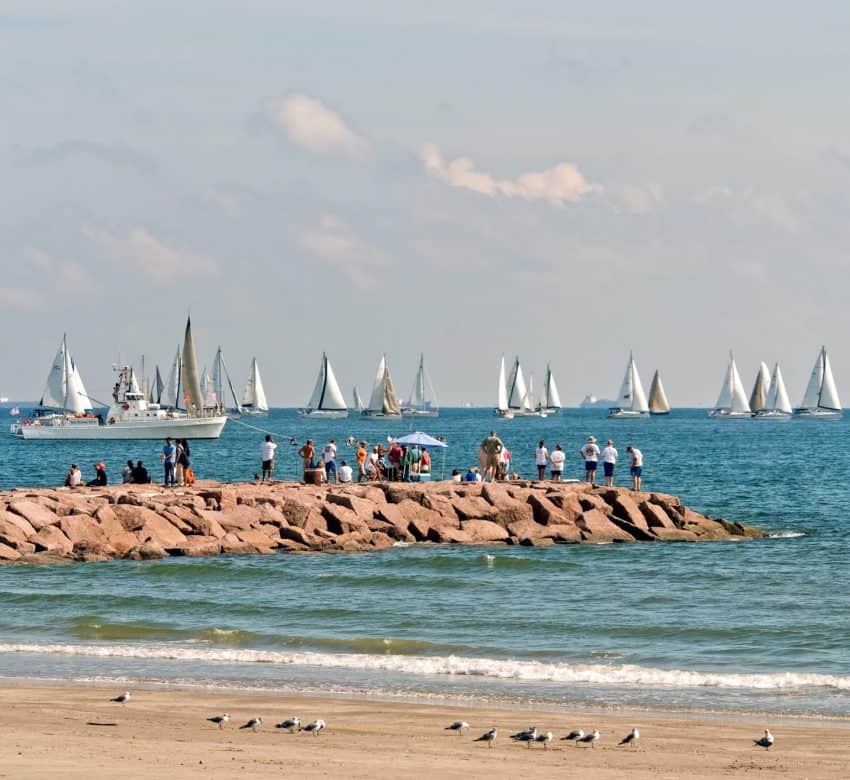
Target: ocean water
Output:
[(735, 626)]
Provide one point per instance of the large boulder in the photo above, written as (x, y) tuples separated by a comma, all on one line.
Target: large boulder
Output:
[(342, 520), (625, 507), (159, 531), (484, 531), (37, 515), (8, 553), (51, 539), (655, 516), (597, 527), (81, 528)]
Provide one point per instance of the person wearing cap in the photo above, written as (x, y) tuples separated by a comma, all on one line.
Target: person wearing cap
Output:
[(99, 475), (609, 460), (637, 466), (590, 453)]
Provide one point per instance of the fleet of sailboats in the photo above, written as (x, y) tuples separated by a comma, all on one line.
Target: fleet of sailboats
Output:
[(631, 400), (326, 400)]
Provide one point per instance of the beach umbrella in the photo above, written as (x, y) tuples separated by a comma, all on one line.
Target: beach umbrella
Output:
[(420, 439)]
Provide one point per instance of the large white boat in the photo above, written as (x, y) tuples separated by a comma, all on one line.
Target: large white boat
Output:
[(732, 402), (422, 401), (62, 413), (384, 401), (550, 399), (327, 400), (254, 398), (821, 399), (761, 389), (776, 406), (631, 402), (658, 403)]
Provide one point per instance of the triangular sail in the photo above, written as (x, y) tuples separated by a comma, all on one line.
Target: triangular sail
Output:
[(191, 380), (326, 394), (157, 388), (502, 392), (422, 394), (829, 393), (358, 401), (658, 402), (550, 398), (56, 386), (732, 397), (631, 394), (517, 390), (777, 399), (78, 397), (171, 393), (383, 399), (761, 389), (254, 396)]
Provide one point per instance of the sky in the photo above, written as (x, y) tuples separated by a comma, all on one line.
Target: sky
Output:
[(466, 180)]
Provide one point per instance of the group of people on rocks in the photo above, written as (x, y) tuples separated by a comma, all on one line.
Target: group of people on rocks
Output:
[(590, 454)]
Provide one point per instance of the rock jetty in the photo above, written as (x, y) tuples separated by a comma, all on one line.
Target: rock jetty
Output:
[(145, 522)]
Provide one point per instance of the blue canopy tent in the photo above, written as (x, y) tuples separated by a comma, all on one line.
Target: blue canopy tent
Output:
[(423, 440)]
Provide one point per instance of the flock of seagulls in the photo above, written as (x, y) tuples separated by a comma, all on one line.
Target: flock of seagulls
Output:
[(530, 735)]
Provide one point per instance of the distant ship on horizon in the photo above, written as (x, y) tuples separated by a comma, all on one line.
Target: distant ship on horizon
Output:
[(590, 401)]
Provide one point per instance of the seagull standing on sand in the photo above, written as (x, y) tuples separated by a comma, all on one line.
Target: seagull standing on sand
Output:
[(522, 735), (316, 726), (293, 724), (252, 724), (630, 739), (544, 738), (122, 699), (460, 726), (488, 736), (590, 739), (219, 719), (575, 734), (766, 741), (526, 736)]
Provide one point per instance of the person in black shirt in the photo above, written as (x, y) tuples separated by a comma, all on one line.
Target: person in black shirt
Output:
[(140, 474)]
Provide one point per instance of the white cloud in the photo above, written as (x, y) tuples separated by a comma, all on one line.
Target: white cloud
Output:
[(66, 276), (148, 255), (312, 125), (562, 184), (641, 199), (19, 298), (749, 206), (336, 244)]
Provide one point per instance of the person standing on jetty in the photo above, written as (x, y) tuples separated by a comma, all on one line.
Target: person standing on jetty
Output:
[(609, 460), (307, 453), (360, 456), (590, 453), (541, 458), (557, 459), (169, 457), (637, 466), (490, 456), (268, 448), (329, 459)]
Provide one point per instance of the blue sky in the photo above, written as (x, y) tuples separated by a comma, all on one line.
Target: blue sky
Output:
[(464, 179)]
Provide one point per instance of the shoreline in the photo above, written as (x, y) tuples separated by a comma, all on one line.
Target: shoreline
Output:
[(164, 733)]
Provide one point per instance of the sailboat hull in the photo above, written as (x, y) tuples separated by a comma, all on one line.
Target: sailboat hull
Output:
[(728, 414), (772, 414), (379, 414), (420, 413), (323, 414), (659, 414), (626, 414), (253, 412), (504, 414), (818, 414)]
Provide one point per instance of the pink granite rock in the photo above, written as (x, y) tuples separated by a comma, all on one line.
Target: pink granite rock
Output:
[(596, 527), (35, 514), (50, 539), (483, 531)]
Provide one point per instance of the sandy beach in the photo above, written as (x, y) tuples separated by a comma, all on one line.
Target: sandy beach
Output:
[(75, 731)]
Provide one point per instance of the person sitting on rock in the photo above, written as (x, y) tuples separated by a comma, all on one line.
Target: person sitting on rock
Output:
[(99, 475), (74, 477), (140, 475)]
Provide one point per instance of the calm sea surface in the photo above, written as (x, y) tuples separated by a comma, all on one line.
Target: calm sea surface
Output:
[(758, 627)]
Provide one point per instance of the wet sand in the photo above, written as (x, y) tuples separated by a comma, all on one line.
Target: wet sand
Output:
[(75, 731)]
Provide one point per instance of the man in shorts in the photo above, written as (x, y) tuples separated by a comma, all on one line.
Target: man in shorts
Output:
[(637, 466), (268, 449), (329, 459), (557, 459), (590, 453), (360, 456), (609, 460)]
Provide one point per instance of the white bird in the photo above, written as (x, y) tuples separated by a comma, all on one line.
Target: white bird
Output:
[(460, 726), (122, 699), (252, 724), (544, 738), (316, 726), (219, 719), (590, 739), (630, 739), (766, 741), (575, 734), (293, 724), (488, 736)]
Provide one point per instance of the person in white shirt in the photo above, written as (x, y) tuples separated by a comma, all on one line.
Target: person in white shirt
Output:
[(74, 478), (609, 460), (329, 459), (590, 453), (557, 459), (268, 448), (637, 466), (344, 473), (541, 458)]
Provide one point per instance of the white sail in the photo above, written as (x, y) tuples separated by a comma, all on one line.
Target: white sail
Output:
[(517, 390), (501, 391), (220, 387), (78, 398), (384, 399), (254, 397), (171, 393), (777, 399), (358, 401), (56, 387), (550, 399), (761, 389), (658, 403), (829, 393), (326, 394), (732, 398), (422, 397), (631, 394)]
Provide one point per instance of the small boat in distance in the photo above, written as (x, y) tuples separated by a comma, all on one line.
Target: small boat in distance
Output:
[(631, 402), (821, 399), (327, 400), (761, 389), (219, 387), (254, 398), (422, 401), (384, 401), (777, 406), (502, 409), (732, 403), (358, 401), (658, 403)]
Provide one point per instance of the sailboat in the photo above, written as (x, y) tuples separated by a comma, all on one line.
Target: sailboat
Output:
[(550, 400), (384, 401), (631, 401), (64, 394), (732, 403), (422, 402), (327, 400), (821, 399), (220, 387), (761, 389), (658, 403), (358, 401), (502, 410), (776, 406), (171, 394), (518, 397), (254, 398), (131, 415)]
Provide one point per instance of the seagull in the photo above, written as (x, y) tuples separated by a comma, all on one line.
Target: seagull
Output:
[(220, 719), (630, 739), (488, 736), (766, 741), (523, 735), (590, 739), (575, 734), (544, 738), (293, 724), (122, 699), (252, 724), (316, 726), (459, 726), (526, 736)]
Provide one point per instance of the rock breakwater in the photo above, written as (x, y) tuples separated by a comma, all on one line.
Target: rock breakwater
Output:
[(144, 521)]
